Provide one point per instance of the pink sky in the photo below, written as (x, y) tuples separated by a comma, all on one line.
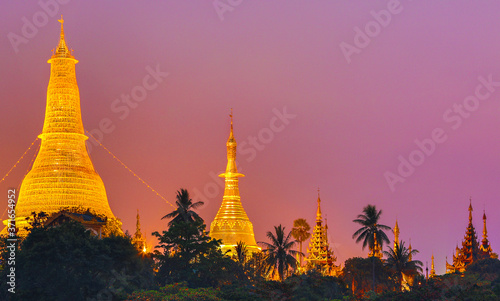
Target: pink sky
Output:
[(353, 120)]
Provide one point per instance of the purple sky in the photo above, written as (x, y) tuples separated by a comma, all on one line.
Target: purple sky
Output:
[(353, 120)]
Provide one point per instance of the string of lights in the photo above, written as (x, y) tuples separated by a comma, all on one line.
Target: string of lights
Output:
[(19, 160), (29, 167), (130, 170)]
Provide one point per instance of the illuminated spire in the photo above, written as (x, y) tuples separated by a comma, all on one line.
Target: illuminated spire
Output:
[(231, 224), (62, 175), (470, 251), (433, 272), (319, 255), (485, 244), (231, 135), (485, 231), (318, 212), (376, 251), (139, 241), (138, 223), (396, 236), (470, 211), (410, 258), (231, 169), (62, 50)]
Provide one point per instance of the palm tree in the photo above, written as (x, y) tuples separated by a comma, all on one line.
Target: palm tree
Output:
[(371, 228), (370, 231), (300, 232), (398, 261), (184, 210), (280, 255), (240, 251)]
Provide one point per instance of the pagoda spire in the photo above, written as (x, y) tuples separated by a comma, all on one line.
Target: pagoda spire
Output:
[(231, 169), (62, 50), (485, 244), (138, 223), (470, 250), (396, 235), (318, 212), (139, 241), (485, 231), (433, 271), (470, 211), (231, 224), (410, 258), (319, 255), (231, 134)]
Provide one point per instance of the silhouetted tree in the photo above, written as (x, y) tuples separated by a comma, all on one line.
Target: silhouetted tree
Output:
[(369, 230), (398, 261), (184, 210), (280, 255), (300, 232)]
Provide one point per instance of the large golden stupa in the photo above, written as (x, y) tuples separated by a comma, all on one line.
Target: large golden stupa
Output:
[(62, 175), (231, 224)]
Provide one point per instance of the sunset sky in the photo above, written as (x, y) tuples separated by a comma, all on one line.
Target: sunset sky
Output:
[(328, 94)]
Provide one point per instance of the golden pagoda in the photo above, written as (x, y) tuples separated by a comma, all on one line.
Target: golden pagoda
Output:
[(231, 224), (471, 250), (138, 240), (485, 248), (407, 279), (396, 236), (376, 250), (62, 176), (410, 258), (433, 271), (319, 255)]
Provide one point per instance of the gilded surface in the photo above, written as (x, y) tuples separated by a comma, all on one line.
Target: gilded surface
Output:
[(231, 224), (62, 175)]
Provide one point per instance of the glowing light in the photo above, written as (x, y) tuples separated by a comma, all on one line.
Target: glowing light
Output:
[(231, 224), (130, 170), (62, 175)]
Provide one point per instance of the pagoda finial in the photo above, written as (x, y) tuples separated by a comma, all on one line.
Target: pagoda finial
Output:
[(231, 152), (396, 235), (410, 257), (485, 231), (485, 244), (231, 135), (470, 210), (138, 223), (318, 213), (433, 271), (62, 50), (62, 26)]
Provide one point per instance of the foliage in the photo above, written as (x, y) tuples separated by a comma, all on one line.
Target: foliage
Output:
[(307, 287), (399, 263), (481, 281), (176, 292), (257, 268), (184, 211), (300, 232), (370, 230), (67, 262), (370, 226), (279, 253), (488, 268), (36, 220), (113, 227), (241, 253), (357, 274), (188, 254)]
